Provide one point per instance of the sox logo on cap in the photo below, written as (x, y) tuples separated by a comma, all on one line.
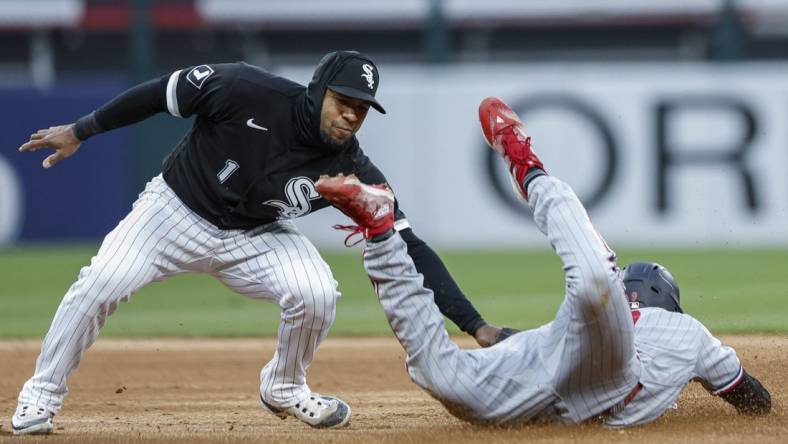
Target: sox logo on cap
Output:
[(368, 76)]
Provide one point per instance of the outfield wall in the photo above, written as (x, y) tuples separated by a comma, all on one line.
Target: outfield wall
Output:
[(662, 154), (82, 197)]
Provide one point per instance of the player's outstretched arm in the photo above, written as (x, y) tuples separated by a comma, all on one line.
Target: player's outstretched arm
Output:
[(136, 104), (200, 90), (59, 138), (449, 298), (722, 374)]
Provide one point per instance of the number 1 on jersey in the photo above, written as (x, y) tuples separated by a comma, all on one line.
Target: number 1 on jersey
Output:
[(230, 166)]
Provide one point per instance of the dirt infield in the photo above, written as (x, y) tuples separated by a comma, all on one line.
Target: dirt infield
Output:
[(206, 391)]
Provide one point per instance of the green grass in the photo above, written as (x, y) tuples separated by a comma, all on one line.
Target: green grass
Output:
[(729, 291)]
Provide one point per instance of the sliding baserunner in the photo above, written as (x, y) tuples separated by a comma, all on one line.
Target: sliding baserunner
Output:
[(619, 349)]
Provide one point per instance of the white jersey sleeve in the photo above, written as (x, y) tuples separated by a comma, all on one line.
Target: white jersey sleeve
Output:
[(718, 368), (675, 348)]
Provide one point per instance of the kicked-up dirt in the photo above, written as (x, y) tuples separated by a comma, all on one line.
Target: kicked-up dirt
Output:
[(206, 391)]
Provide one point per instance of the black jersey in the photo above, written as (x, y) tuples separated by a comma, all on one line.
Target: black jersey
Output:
[(254, 151)]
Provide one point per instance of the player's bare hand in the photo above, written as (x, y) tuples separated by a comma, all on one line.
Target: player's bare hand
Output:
[(59, 138), (489, 335), (486, 335)]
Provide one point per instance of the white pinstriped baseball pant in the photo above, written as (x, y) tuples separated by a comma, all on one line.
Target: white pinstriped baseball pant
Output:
[(568, 370), (161, 238)]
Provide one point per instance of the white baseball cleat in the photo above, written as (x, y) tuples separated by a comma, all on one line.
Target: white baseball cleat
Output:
[(31, 420), (324, 412)]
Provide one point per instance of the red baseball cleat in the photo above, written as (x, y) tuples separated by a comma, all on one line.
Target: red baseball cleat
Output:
[(370, 206), (505, 134)]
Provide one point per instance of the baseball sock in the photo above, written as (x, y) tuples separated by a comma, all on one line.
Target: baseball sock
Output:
[(382, 236)]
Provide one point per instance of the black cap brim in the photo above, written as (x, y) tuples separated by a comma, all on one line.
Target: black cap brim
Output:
[(356, 94)]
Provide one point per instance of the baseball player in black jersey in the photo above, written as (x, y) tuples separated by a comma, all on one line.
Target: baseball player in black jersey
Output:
[(222, 206)]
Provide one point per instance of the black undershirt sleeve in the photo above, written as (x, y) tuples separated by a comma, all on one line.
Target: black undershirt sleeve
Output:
[(132, 106), (450, 300)]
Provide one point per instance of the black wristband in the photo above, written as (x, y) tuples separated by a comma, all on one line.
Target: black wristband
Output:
[(87, 127)]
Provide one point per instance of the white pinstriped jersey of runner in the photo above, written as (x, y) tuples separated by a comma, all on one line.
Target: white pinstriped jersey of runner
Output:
[(576, 367)]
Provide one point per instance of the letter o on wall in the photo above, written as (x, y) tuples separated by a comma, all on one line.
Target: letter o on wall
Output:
[(10, 203)]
